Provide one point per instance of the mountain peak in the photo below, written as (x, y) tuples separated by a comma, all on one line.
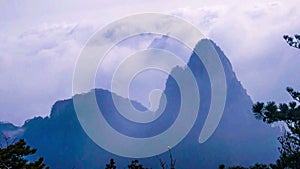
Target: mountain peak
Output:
[(63, 143)]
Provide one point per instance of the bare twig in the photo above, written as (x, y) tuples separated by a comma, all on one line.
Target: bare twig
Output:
[(162, 163), (173, 161)]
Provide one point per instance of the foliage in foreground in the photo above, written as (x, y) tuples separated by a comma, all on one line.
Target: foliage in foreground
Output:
[(289, 116), (294, 42), (135, 163), (256, 166), (13, 155)]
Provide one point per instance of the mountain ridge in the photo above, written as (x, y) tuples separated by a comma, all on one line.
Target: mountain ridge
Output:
[(60, 138)]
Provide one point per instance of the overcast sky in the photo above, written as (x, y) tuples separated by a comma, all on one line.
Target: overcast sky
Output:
[(41, 40)]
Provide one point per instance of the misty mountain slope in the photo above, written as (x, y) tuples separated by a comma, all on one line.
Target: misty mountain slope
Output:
[(239, 138)]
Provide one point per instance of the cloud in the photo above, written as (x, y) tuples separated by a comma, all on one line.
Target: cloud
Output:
[(251, 36), (142, 83), (13, 133), (37, 68), (40, 43)]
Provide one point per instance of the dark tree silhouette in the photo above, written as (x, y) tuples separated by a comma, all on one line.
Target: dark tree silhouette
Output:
[(256, 166), (293, 41), (222, 166), (13, 155), (288, 114), (111, 165), (135, 165)]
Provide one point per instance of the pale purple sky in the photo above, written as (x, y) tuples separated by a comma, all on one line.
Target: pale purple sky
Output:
[(41, 40)]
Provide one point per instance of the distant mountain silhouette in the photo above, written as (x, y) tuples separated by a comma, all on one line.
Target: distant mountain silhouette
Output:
[(240, 139)]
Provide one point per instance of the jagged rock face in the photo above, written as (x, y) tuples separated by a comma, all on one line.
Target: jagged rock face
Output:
[(239, 138)]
